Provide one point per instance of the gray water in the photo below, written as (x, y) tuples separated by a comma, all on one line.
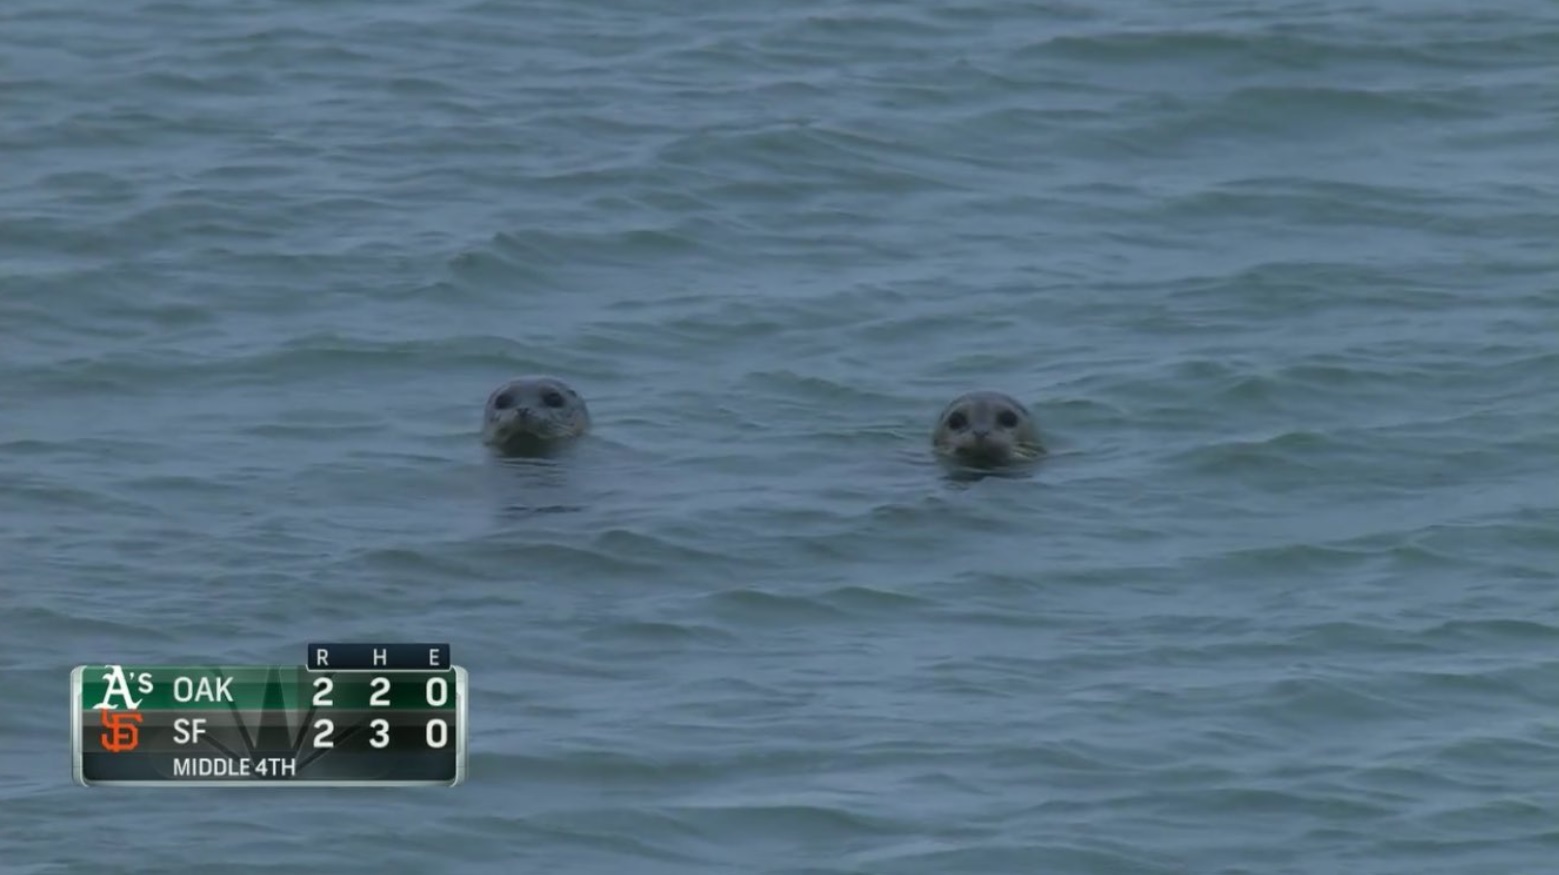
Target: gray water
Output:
[(1279, 280)]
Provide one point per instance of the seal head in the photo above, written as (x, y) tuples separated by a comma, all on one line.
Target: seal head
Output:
[(533, 415), (986, 429)]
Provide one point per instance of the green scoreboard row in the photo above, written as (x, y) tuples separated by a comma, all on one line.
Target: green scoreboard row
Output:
[(354, 715)]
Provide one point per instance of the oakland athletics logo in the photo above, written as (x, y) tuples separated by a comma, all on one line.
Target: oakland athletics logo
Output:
[(119, 685)]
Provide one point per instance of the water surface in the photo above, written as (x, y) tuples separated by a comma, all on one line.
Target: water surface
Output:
[(1279, 280)]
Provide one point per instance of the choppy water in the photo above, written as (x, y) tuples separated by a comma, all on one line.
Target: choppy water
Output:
[(1280, 280)]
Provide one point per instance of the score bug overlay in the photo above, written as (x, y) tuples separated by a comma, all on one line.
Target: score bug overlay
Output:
[(353, 715)]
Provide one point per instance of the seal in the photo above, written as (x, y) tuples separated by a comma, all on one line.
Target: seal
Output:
[(986, 429), (529, 416)]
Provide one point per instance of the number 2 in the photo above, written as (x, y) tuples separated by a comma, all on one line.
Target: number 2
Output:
[(325, 727), (322, 688), (379, 698)]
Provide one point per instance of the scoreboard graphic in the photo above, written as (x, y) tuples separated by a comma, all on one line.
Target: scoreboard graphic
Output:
[(351, 715)]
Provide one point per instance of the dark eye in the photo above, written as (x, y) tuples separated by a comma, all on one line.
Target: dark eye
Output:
[(552, 398), (1007, 419), (504, 401), (958, 422)]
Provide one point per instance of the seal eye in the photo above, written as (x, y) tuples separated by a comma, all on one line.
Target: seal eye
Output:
[(552, 399), (958, 422), (504, 401), (1007, 419)]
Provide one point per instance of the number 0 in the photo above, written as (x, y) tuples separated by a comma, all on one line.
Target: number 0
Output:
[(437, 683), (322, 688), (322, 738), (442, 733), (378, 699)]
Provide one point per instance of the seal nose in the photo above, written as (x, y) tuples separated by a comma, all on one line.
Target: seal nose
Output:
[(980, 434)]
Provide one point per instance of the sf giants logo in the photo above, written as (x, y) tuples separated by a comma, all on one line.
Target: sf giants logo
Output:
[(124, 733)]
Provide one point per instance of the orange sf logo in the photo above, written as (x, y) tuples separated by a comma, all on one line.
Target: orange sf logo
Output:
[(126, 735)]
